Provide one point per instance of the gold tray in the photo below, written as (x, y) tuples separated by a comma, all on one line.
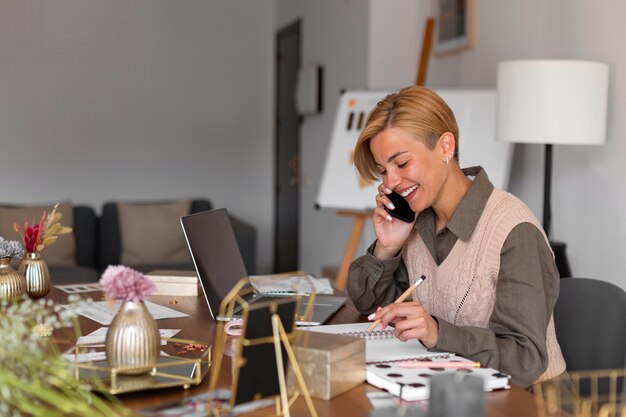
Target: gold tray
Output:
[(181, 368)]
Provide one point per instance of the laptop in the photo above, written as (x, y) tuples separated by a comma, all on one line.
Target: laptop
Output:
[(219, 265)]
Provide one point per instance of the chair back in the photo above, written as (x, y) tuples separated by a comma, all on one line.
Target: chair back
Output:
[(590, 321)]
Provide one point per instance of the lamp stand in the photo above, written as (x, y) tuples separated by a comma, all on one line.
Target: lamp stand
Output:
[(560, 257)]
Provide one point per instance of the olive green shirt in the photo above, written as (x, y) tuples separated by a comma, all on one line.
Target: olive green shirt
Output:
[(528, 278)]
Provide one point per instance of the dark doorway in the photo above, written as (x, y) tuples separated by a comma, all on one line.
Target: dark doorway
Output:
[(287, 151)]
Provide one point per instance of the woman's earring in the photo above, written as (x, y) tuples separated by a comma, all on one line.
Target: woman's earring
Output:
[(447, 159)]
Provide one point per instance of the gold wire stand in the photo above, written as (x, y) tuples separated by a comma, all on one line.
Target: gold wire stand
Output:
[(279, 337), (596, 393)]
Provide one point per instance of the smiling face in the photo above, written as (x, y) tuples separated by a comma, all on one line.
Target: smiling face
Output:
[(417, 110), (408, 167)]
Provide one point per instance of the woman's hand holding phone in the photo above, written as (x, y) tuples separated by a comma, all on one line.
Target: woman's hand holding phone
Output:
[(402, 209), (391, 232)]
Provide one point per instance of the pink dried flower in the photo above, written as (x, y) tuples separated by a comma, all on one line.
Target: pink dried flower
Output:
[(123, 283)]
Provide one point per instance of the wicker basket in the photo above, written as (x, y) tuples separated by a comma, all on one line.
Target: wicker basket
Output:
[(582, 394)]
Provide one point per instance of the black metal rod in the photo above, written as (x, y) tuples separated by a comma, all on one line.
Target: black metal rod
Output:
[(547, 190), (560, 256)]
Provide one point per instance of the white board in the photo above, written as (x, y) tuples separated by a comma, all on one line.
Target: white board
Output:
[(341, 187)]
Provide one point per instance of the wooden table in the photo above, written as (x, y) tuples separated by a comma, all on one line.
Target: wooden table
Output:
[(515, 402)]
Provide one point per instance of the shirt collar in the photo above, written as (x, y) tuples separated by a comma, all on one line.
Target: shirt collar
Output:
[(466, 216)]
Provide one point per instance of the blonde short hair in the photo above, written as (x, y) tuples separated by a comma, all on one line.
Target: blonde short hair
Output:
[(416, 109)]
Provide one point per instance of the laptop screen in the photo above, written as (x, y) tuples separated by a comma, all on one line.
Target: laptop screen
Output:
[(215, 254)]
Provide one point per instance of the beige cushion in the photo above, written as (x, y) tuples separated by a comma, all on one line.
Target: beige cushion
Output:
[(62, 252), (151, 233)]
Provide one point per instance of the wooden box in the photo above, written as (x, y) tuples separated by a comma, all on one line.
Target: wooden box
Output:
[(331, 364), (183, 283)]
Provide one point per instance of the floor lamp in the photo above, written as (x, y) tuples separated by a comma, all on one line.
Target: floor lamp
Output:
[(552, 102)]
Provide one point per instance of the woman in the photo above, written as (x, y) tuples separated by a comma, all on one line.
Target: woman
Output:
[(491, 281)]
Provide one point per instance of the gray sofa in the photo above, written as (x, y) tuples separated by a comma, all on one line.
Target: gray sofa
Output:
[(99, 243), (86, 231), (111, 241)]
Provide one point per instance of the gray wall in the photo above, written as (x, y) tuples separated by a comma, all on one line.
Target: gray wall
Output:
[(588, 194), (589, 198), (334, 34), (143, 99), (118, 99)]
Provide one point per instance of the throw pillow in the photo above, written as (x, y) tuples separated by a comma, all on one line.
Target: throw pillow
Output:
[(151, 233)]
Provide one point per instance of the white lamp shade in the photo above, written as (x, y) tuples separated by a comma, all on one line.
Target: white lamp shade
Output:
[(552, 102)]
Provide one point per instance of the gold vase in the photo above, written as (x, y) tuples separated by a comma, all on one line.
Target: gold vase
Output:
[(133, 342), (35, 270), (12, 283)]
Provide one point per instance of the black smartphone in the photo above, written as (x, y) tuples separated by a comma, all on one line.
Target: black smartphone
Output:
[(403, 210)]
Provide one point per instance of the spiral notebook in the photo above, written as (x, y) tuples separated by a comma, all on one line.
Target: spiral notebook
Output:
[(382, 345)]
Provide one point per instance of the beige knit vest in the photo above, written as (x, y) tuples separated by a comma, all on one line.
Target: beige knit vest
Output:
[(462, 290)]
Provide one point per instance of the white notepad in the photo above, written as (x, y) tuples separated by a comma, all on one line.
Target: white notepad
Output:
[(382, 345)]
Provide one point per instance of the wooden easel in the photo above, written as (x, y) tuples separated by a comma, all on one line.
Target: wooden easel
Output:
[(360, 217), (427, 43)]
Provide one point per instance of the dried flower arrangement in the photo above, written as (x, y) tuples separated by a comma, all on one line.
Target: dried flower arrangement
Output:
[(120, 282), (36, 381), (38, 236), (10, 249)]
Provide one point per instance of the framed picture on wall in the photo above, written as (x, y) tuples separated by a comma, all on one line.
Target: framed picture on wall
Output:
[(455, 26)]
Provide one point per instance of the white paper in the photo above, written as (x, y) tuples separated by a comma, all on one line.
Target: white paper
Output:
[(291, 284), (85, 357), (101, 312), (89, 356), (384, 400), (98, 337)]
